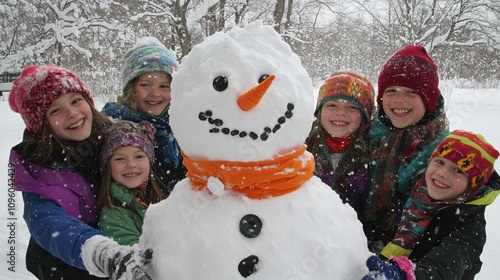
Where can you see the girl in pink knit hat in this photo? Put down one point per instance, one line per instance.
(55, 168)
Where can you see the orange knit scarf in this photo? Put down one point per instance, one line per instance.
(257, 180)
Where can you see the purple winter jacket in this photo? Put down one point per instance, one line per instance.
(59, 207)
(64, 186)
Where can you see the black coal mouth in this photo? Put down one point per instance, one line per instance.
(218, 125)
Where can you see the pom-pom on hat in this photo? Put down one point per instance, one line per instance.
(125, 134)
(413, 68)
(351, 86)
(471, 153)
(37, 87)
(146, 56)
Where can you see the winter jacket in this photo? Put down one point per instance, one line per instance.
(381, 215)
(59, 207)
(452, 244)
(357, 182)
(168, 158)
(123, 222)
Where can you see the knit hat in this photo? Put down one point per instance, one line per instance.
(146, 56)
(351, 86)
(126, 134)
(37, 87)
(411, 67)
(471, 153)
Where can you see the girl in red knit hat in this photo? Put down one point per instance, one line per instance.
(409, 123)
(442, 229)
(55, 168)
(339, 135)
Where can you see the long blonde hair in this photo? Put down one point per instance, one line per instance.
(128, 99)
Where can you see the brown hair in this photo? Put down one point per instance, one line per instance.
(40, 148)
(153, 192)
(358, 150)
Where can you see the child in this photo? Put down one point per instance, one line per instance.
(410, 122)
(54, 167)
(442, 228)
(339, 136)
(146, 76)
(128, 182)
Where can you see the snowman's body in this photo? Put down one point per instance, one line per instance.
(306, 234)
(218, 231)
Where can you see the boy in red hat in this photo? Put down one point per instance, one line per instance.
(442, 229)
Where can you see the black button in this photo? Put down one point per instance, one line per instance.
(247, 266)
(250, 226)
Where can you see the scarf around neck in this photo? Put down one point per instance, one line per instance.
(256, 180)
(166, 147)
(389, 186)
(337, 144)
(418, 213)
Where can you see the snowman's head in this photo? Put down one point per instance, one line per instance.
(241, 96)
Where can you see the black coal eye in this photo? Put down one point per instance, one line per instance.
(220, 83)
(263, 78)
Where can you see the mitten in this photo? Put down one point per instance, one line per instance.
(399, 268)
(103, 257)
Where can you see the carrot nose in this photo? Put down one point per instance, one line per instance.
(249, 99)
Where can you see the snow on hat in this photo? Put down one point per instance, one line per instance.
(146, 56)
(471, 153)
(126, 134)
(351, 86)
(37, 87)
(413, 68)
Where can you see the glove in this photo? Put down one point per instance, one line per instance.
(103, 257)
(399, 268)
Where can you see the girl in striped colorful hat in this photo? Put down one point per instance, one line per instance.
(442, 229)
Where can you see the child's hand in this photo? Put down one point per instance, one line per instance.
(380, 269)
(102, 256)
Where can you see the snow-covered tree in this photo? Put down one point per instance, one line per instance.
(91, 36)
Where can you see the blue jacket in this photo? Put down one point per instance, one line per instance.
(168, 158)
(59, 208)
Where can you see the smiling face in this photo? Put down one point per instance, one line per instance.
(340, 118)
(152, 92)
(130, 166)
(403, 106)
(445, 180)
(70, 117)
(210, 117)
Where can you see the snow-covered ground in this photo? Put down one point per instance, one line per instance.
(477, 110)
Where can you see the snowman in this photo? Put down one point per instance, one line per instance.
(250, 207)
